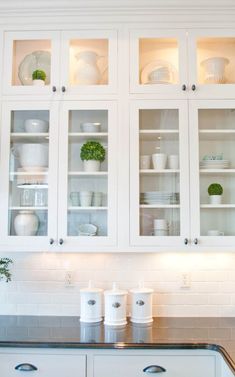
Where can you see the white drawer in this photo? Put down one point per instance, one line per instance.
(133, 366)
(48, 365)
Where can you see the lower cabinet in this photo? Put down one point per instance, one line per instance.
(72, 362)
(167, 366)
(42, 364)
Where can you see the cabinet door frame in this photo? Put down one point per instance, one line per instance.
(206, 90)
(194, 106)
(111, 36)
(9, 38)
(171, 241)
(88, 243)
(29, 243)
(159, 89)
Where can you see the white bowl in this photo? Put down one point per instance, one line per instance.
(215, 70)
(87, 230)
(36, 125)
(33, 155)
(90, 127)
(159, 74)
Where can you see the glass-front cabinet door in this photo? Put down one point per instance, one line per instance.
(87, 174)
(29, 152)
(158, 61)
(212, 63)
(31, 62)
(89, 61)
(159, 175)
(212, 124)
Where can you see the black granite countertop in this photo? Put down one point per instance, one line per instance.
(164, 333)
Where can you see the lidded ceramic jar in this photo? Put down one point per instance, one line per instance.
(141, 304)
(115, 307)
(91, 304)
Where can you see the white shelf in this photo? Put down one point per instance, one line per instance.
(84, 136)
(25, 137)
(93, 208)
(29, 173)
(152, 132)
(159, 206)
(28, 208)
(162, 171)
(84, 173)
(221, 171)
(152, 135)
(217, 205)
(217, 135)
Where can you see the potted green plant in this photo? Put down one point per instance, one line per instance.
(4, 269)
(39, 77)
(215, 191)
(92, 154)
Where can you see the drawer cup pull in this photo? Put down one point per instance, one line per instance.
(154, 369)
(26, 367)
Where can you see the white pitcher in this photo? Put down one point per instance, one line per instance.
(88, 72)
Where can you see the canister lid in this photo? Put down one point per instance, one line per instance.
(115, 291)
(91, 289)
(141, 288)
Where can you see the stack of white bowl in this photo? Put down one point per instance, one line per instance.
(161, 227)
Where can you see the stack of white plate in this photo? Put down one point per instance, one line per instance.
(214, 164)
(159, 197)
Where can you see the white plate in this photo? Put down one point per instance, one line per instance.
(150, 67)
(36, 60)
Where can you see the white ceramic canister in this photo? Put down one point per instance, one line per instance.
(91, 304)
(141, 305)
(115, 307)
(26, 223)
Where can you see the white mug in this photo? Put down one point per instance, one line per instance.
(145, 161)
(160, 224)
(85, 198)
(215, 233)
(159, 161)
(173, 161)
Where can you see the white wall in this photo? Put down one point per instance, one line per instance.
(37, 287)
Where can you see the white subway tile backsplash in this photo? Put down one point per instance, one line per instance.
(38, 286)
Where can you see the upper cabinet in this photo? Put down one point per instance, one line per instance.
(186, 64)
(71, 62)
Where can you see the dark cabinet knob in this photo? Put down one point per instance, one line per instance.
(51, 241)
(195, 241)
(63, 89)
(154, 369)
(194, 87)
(54, 89)
(61, 241)
(186, 241)
(26, 367)
(184, 87)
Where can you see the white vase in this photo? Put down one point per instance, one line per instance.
(26, 223)
(215, 199)
(87, 72)
(38, 82)
(91, 165)
(33, 155)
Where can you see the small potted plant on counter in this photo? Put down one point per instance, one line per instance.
(215, 191)
(4, 269)
(92, 154)
(39, 77)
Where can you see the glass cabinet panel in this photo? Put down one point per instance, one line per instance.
(27, 166)
(157, 182)
(90, 174)
(217, 171)
(157, 61)
(31, 62)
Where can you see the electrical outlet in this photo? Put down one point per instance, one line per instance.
(69, 278)
(185, 280)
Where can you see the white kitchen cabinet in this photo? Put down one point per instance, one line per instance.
(43, 364)
(159, 192)
(99, 362)
(63, 173)
(186, 63)
(57, 53)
